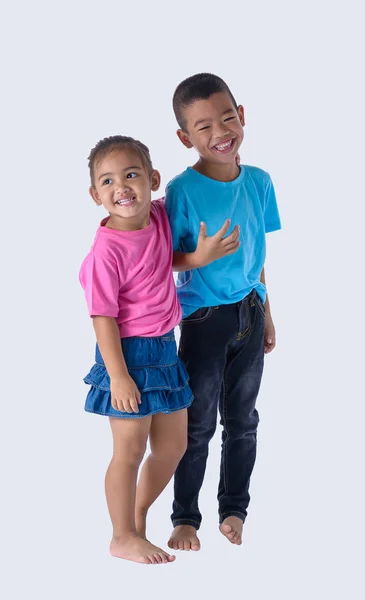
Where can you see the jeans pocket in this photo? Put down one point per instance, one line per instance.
(200, 315)
(260, 305)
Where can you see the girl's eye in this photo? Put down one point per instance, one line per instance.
(131, 175)
(107, 181)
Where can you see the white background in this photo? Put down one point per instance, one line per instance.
(74, 72)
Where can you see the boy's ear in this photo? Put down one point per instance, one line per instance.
(184, 138)
(95, 196)
(156, 180)
(241, 114)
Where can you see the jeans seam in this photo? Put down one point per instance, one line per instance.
(224, 457)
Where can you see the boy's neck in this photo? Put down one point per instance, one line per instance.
(227, 172)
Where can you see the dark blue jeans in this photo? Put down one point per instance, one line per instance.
(223, 350)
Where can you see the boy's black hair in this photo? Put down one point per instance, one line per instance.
(197, 87)
(114, 142)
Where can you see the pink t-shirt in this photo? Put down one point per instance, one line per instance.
(128, 275)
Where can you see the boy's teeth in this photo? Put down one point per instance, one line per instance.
(224, 146)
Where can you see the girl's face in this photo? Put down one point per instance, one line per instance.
(123, 186)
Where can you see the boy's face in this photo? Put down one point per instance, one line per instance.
(123, 186)
(214, 127)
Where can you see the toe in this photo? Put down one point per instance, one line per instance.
(170, 544)
(187, 545)
(171, 558)
(180, 545)
(195, 546)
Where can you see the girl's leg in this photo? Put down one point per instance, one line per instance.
(129, 441)
(168, 440)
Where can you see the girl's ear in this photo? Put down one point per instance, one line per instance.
(95, 196)
(184, 138)
(155, 180)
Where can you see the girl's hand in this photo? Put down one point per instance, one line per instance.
(125, 395)
(210, 248)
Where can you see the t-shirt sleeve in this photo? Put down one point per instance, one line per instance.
(271, 211)
(175, 205)
(100, 279)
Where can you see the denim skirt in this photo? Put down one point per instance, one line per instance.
(157, 371)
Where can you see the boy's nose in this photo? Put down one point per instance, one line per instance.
(220, 130)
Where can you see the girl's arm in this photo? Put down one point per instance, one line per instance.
(125, 395)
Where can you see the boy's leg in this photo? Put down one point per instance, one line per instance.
(203, 347)
(129, 444)
(168, 441)
(239, 417)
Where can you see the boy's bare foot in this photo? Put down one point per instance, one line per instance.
(133, 547)
(232, 529)
(140, 518)
(184, 537)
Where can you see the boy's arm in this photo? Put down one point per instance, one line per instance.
(208, 249)
(125, 395)
(270, 334)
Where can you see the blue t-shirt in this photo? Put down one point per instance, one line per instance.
(248, 201)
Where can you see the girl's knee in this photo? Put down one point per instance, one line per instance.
(131, 454)
(173, 451)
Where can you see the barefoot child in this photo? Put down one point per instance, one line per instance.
(137, 379)
(227, 325)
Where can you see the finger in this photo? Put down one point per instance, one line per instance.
(203, 230)
(126, 406)
(269, 347)
(232, 236)
(134, 404)
(223, 230)
(139, 397)
(231, 248)
(114, 404)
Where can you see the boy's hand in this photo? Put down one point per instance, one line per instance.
(270, 335)
(125, 395)
(216, 246)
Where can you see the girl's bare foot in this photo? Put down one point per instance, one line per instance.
(184, 537)
(133, 547)
(232, 529)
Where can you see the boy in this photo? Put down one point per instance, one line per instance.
(227, 325)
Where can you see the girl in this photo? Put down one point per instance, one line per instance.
(137, 379)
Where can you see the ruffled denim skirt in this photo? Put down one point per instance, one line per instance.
(157, 371)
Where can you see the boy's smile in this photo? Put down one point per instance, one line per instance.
(214, 127)
(123, 186)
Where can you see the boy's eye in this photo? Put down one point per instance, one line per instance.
(107, 181)
(229, 119)
(131, 175)
(202, 128)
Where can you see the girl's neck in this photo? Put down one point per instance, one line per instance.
(223, 172)
(115, 222)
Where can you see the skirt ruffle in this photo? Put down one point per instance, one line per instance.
(164, 387)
